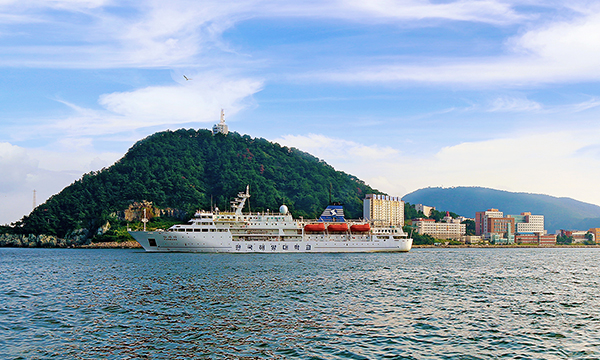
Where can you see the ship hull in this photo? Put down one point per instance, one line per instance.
(168, 241)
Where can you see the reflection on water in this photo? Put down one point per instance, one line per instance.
(428, 303)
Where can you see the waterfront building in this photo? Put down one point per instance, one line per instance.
(383, 210)
(500, 225)
(473, 239)
(481, 220)
(535, 239)
(579, 236)
(547, 239)
(448, 228)
(525, 228)
(527, 223)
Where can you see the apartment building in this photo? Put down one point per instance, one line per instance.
(383, 210)
(448, 228)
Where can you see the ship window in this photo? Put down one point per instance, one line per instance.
(212, 230)
(196, 230)
(152, 242)
(204, 230)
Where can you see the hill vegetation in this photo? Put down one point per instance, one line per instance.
(189, 170)
(559, 213)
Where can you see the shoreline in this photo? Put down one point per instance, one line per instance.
(503, 246)
(132, 244)
(136, 245)
(112, 245)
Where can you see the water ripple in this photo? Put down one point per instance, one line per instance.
(426, 304)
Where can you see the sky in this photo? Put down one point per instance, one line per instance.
(403, 94)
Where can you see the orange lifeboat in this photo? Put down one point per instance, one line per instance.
(337, 227)
(315, 227)
(360, 227)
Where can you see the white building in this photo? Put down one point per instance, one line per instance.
(221, 127)
(383, 210)
(449, 228)
(426, 210)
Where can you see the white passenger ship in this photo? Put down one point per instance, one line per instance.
(236, 232)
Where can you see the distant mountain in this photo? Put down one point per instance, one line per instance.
(559, 213)
(189, 170)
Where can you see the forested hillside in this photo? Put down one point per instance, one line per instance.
(186, 170)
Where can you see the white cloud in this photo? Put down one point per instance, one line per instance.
(333, 148)
(560, 164)
(195, 101)
(46, 171)
(15, 166)
(105, 34)
(488, 11)
(513, 104)
(562, 51)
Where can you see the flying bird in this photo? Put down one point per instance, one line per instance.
(186, 78)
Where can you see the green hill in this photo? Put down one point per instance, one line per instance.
(190, 170)
(559, 213)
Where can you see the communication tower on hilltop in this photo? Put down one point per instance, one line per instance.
(221, 127)
(34, 204)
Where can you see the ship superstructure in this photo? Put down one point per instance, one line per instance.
(238, 232)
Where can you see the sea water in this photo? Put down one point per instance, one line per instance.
(425, 304)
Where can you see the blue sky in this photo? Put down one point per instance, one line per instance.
(403, 94)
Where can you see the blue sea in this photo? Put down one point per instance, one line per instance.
(425, 304)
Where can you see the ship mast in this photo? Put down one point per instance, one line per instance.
(238, 203)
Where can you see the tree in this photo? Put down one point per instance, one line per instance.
(470, 227)
(564, 240)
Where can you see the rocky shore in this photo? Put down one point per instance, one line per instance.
(49, 241)
(113, 245)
